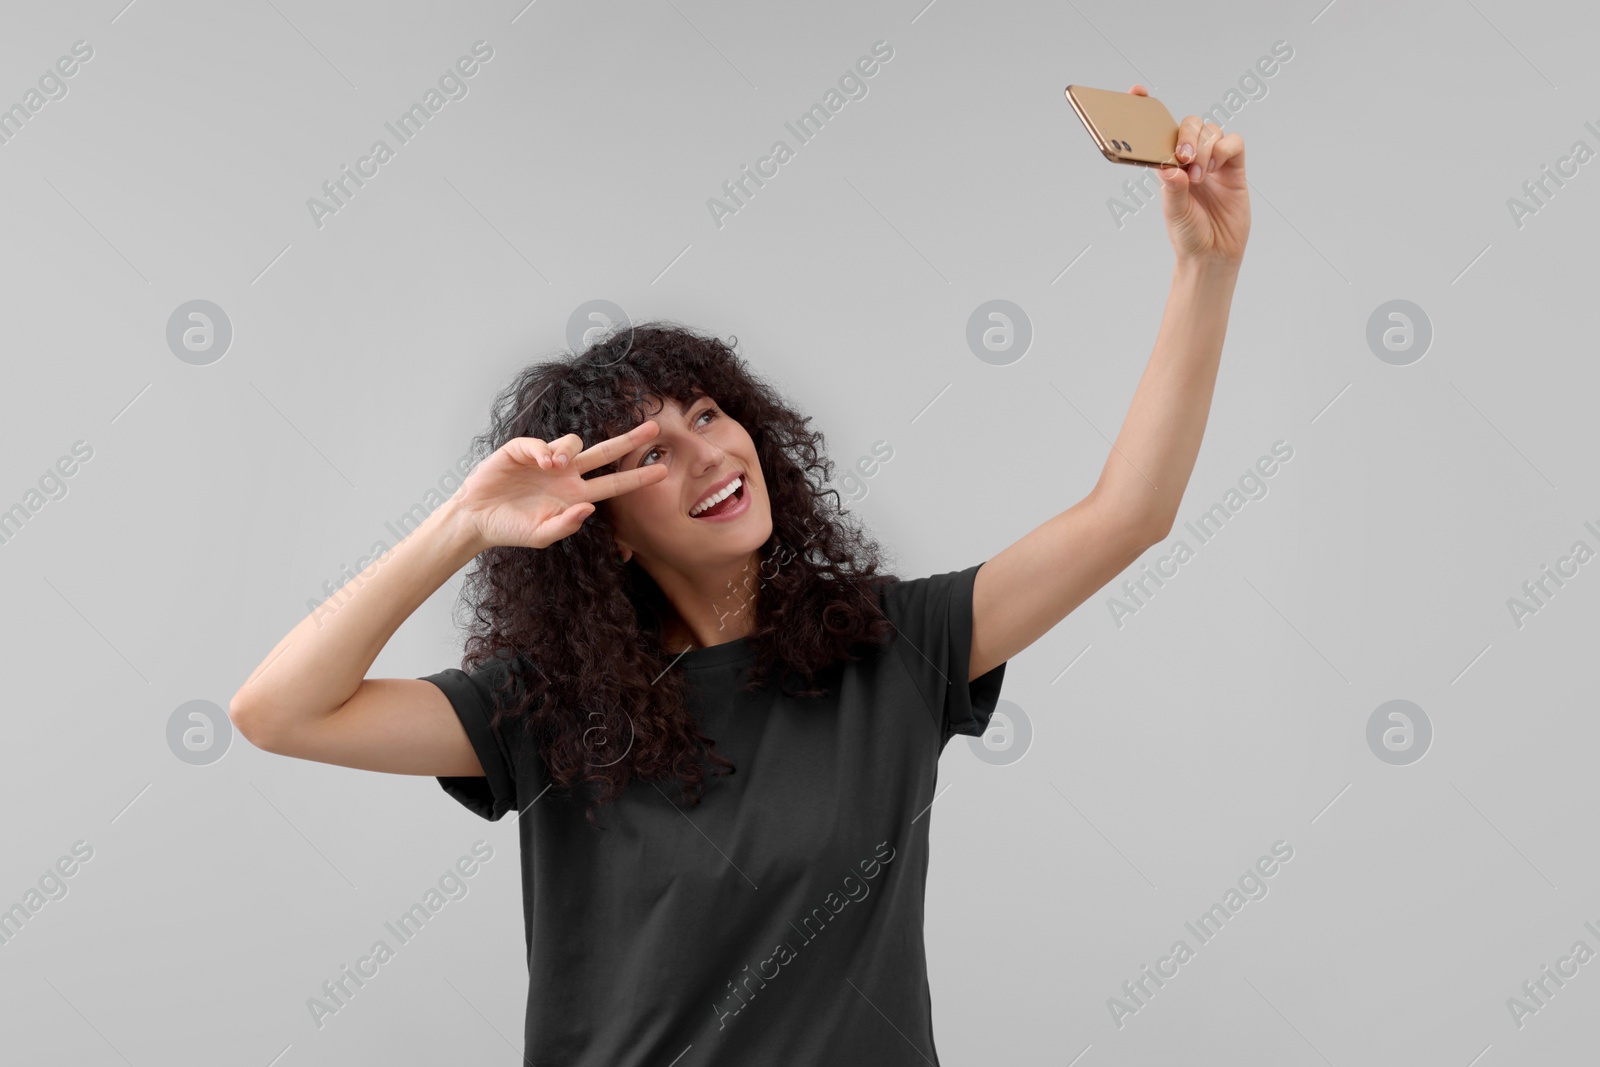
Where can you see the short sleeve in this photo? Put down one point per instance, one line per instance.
(934, 618)
(474, 697)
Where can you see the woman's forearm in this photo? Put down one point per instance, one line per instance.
(322, 661)
(1149, 466)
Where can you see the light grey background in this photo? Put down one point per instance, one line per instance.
(1167, 753)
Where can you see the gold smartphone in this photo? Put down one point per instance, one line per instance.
(1127, 128)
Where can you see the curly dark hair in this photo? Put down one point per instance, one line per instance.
(582, 633)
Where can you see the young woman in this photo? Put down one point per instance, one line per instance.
(718, 723)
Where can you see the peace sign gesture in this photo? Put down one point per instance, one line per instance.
(530, 493)
(1206, 202)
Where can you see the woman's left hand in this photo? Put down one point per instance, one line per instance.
(1206, 202)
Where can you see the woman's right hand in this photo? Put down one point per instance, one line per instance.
(531, 493)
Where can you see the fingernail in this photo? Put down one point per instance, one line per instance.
(1212, 165)
(1186, 151)
(561, 460)
(1194, 172)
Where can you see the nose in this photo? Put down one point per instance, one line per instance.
(707, 453)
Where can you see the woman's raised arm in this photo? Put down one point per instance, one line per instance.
(310, 697)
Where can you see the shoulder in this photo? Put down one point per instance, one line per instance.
(921, 599)
(500, 679)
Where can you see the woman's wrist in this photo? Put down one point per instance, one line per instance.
(459, 529)
(1217, 268)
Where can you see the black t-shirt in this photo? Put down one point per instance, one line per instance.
(779, 921)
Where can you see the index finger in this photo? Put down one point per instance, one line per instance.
(614, 448)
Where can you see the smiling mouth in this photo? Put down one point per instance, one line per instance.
(725, 504)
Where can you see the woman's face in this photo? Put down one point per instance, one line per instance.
(701, 447)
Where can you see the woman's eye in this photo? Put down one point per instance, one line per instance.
(708, 411)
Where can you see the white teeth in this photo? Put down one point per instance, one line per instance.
(714, 498)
